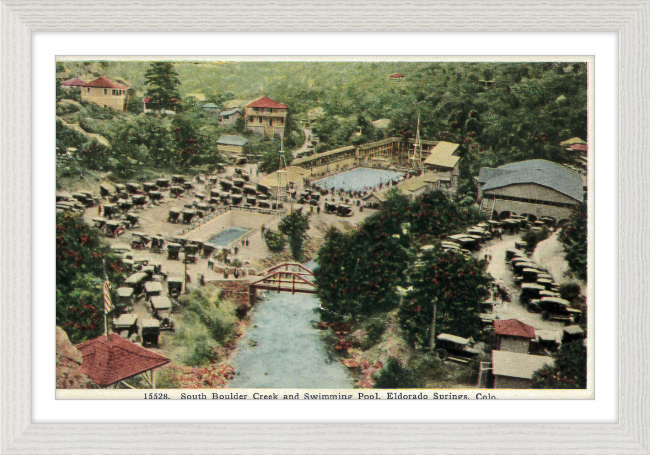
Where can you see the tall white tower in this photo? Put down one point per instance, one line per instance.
(283, 179)
(415, 160)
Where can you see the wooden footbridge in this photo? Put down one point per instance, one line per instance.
(287, 277)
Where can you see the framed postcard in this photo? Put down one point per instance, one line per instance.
(389, 246)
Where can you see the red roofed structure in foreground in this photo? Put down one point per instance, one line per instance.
(266, 116)
(104, 92)
(513, 335)
(108, 363)
(73, 83)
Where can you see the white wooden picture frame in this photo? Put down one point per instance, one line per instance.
(631, 19)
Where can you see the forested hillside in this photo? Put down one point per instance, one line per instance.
(500, 112)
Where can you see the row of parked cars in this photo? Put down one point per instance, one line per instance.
(157, 290)
(539, 292)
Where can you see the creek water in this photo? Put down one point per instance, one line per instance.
(282, 349)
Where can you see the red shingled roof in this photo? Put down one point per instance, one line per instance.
(513, 328)
(103, 82)
(146, 99)
(267, 102)
(396, 75)
(74, 82)
(119, 359)
(579, 147)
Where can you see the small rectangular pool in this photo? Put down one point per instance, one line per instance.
(227, 236)
(359, 179)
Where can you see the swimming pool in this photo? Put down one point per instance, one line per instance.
(358, 179)
(227, 236)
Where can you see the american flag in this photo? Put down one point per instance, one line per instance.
(108, 305)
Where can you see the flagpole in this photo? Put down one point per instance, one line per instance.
(105, 312)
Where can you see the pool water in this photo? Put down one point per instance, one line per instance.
(359, 179)
(227, 236)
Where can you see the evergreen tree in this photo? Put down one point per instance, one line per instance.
(162, 85)
(574, 239)
(295, 226)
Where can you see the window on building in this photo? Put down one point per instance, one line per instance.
(105, 91)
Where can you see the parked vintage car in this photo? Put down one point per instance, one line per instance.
(173, 249)
(555, 308)
(139, 240)
(174, 286)
(152, 289)
(126, 325)
(455, 348)
(161, 308)
(124, 299)
(150, 332)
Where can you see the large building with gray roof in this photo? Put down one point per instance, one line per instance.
(533, 188)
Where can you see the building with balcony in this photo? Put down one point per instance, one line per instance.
(105, 93)
(266, 116)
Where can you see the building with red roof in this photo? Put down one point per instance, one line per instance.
(266, 116)
(108, 363)
(74, 83)
(396, 77)
(513, 335)
(104, 92)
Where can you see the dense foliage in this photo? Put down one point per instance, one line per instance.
(80, 258)
(295, 227)
(359, 272)
(569, 370)
(275, 241)
(574, 239)
(455, 285)
(395, 376)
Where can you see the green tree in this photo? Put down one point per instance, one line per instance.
(449, 285)
(274, 240)
(574, 239)
(80, 256)
(569, 370)
(295, 226)
(270, 151)
(162, 84)
(358, 272)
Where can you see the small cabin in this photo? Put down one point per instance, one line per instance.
(513, 335)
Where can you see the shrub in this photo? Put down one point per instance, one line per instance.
(274, 241)
(375, 328)
(533, 238)
(395, 376)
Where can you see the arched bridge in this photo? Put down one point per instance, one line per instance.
(287, 277)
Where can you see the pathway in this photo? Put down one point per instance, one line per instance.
(499, 269)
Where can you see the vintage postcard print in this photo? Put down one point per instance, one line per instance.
(302, 228)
